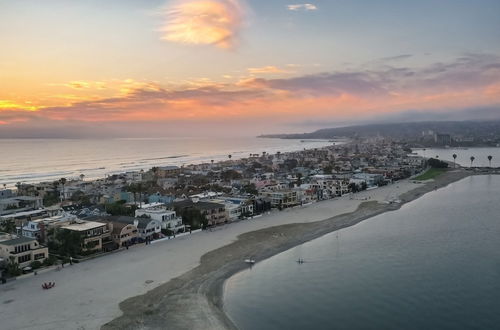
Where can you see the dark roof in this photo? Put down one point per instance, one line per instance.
(16, 241)
(198, 205)
(142, 222)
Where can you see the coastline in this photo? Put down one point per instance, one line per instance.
(194, 300)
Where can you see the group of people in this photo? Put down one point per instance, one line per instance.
(49, 285)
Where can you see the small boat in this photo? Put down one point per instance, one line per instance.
(250, 261)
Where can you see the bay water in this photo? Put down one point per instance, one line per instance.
(433, 264)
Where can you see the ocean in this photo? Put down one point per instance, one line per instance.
(433, 264)
(35, 160)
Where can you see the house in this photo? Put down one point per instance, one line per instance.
(282, 199)
(94, 235)
(39, 228)
(20, 204)
(214, 213)
(370, 179)
(237, 207)
(122, 233)
(166, 171)
(147, 229)
(159, 198)
(23, 250)
(169, 219)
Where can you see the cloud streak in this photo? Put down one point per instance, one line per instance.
(303, 7)
(204, 22)
(270, 69)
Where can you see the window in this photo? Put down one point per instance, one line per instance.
(25, 258)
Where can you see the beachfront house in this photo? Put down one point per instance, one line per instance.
(93, 235)
(214, 213)
(122, 233)
(282, 199)
(147, 228)
(22, 250)
(168, 218)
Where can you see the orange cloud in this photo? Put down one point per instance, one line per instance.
(204, 22)
(266, 70)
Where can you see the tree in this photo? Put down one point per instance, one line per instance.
(13, 267)
(68, 243)
(436, 163)
(62, 181)
(119, 208)
(80, 198)
(454, 159)
(192, 217)
(229, 156)
(82, 176)
(490, 157)
(8, 226)
(472, 160)
(250, 189)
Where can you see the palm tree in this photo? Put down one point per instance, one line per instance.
(424, 152)
(454, 159)
(82, 176)
(472, 160)
(62, 181)
(490, 157)
(229, 156)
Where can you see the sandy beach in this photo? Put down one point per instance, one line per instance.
(177, 284)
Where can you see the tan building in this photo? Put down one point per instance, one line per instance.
(282, 199)
(24, 250)
(121, 233)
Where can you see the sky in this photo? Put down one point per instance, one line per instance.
(93, 68)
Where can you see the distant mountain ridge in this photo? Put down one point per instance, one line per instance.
(411, 130)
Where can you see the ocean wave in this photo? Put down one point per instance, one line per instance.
(168, 157)
(90, 169)
(31, 176)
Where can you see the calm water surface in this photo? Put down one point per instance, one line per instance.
(464, 155)
(433, 264)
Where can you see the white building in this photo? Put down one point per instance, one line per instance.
(157, 211)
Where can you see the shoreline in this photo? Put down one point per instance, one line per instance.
(194, 300)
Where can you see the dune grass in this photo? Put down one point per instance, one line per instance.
(430, 174)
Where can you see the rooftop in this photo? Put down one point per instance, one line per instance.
(87, 225)
(17, 241)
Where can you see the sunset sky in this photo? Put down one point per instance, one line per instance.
(88, 68)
